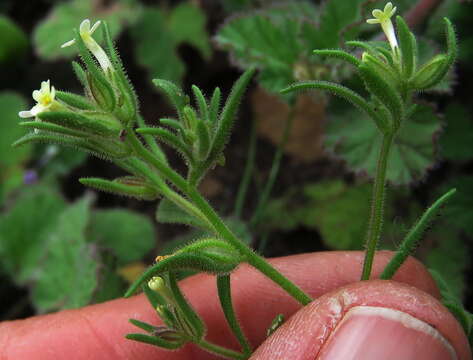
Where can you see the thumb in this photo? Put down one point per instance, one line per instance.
(369, 320)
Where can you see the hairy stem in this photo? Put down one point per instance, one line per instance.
(225, 296)
(377, 206)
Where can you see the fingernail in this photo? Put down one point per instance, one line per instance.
(374, 333)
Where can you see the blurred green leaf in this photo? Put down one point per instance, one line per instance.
(339, 212)
(67, 277)
(267, 40)
(11, 104)
(11, 158)
(336, 15)
(150, 34)
(13, 41)
(158, 34)
(453, 266)
(110, 285)
(187, 25)
(354, 138)
(61, 160)
(127, 234)
(459, 212)
(65, 17)
(25, 230)
(457, 139)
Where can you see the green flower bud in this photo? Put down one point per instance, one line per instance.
(431, 73)
(102, 92)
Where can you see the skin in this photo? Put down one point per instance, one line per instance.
(98, 331)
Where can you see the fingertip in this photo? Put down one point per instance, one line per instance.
(425, 328)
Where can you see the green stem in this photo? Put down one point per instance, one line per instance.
(245, 181)
(263, 200)
(252, 258)
(216, 349)
(377, 206)
(225, 296)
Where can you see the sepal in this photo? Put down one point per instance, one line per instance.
(127, 186)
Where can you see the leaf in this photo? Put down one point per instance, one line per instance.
(339, 212)
(335, 16)
(25, 229)
(451, 266)
(187, 25)
(158, 29)
(149, 34)
(11, 104)
(458, 212)
(11, 158)
(13, 41)
(354, 138)
(455, 142)
(67, 278)
(64, 17)
(267, 40)
(129, 235)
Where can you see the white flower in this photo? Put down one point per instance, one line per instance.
(85, 32)
(44, 98)
(384, 19)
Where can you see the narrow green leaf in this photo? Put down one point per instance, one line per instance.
(203, 140)
(228, 114)
(80, 74)
(214, 107)
(142, 325)
(153, 340)
(98, 123)
(338, 54)
(344, 93)
(225, 297)
(52, 128)
(131, 101)
(77, 101)
(201, 102)
(139, 191)
(172, 123)
(412, 239)
(168, 138)
(175, 94)
(408, 46)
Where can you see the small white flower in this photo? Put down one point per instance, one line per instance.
(85, 32)
(44, 98)
(384, 19)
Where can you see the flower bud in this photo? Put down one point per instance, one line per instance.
(431, 73)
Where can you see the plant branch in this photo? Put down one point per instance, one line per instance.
(377, 206)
